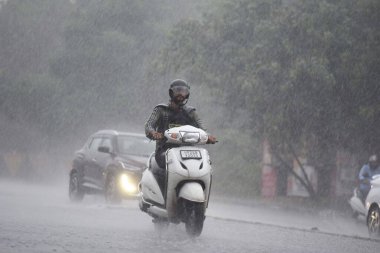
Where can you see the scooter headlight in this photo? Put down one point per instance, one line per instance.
(190, 137)
(127, 184)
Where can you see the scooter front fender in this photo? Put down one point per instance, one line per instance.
(357, 205)
(192, 191)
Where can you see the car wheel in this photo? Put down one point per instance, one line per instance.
(373, 221)
(112, 193)
(76, 192)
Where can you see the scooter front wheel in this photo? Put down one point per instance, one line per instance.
(373, 221)
(160, 225)
(195, 218)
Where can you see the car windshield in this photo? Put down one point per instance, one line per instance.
(135, 145)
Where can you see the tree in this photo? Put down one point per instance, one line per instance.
(299, 69)
(30, 31)
(106, 50)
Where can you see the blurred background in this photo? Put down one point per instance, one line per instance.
(290, 88)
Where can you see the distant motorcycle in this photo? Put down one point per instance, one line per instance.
(188, 180)
(357, 201)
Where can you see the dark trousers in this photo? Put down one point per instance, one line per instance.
(160, 159)
(160, 173)
(364, 190)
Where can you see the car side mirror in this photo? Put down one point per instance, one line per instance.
(104, 149)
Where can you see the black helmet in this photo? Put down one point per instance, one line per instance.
(373, 158)
(181, 87)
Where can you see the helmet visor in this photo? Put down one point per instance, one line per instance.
(180, 90)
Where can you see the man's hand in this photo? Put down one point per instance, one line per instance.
(365, 181)
(211, 139)
(156, 135)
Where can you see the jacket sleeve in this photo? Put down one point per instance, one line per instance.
(196, 119)
(152, 122)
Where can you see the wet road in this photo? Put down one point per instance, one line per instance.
(41, 219)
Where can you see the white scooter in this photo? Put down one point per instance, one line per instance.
(185, 196)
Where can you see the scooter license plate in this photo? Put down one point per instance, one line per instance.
(191, 154)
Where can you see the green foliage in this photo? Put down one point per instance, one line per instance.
(72, 67)
(305, 72)
(103, 42)
(295, 67)
(26, 39)
(236, 166)
(27, 91)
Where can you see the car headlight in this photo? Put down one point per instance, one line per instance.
(127, 184)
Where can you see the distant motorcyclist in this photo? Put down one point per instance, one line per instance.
(173, 114)
(365, 175)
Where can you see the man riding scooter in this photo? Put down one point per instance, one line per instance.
(173, 114)
(365, 175)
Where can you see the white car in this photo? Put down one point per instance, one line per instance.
(373, 207)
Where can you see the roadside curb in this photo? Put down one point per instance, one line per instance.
(311, 230)
(285, 204)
